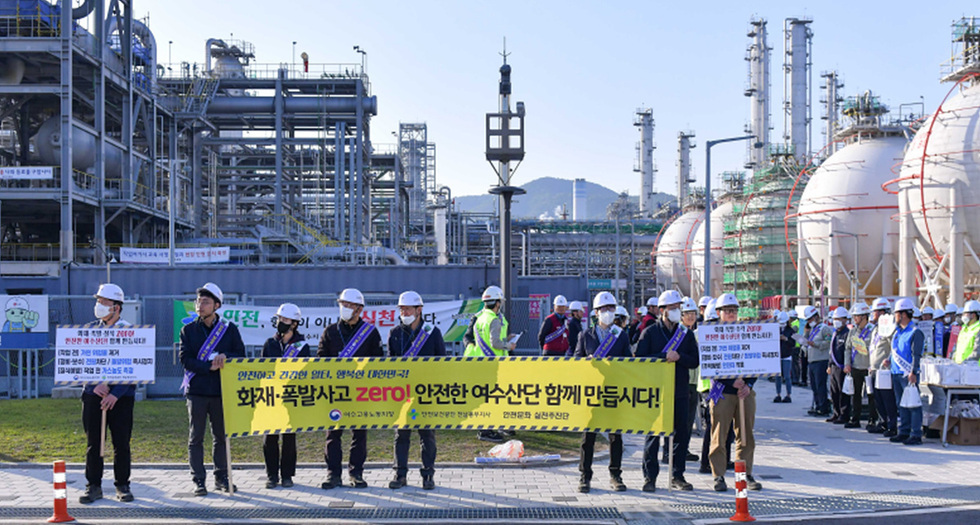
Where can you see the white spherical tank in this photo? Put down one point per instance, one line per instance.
(718, 217)
(845, 197)
(673, 252)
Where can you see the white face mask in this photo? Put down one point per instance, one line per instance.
(813, 323)
(346, 313)
(674, 316)
(607, 318)
(407, 320)
(965, 319)
(838, 324)
(102, 311)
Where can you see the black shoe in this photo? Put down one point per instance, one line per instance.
(694, 458)
(852, 424)
(650, 485)
(270, 483)
(92, 493)
(491, 435)
(720, 485)
(331, 483)
(913, 441)
(841, 421)
(787, 399)
(751, 483)
(704, 470)
(889, 433)
(811, 412)
(665, 460)
(123, 494)
(428, 483)
(584, 485)
(876, 429)
(679, 483)
(199, 488)
(221, 485)
(830, 420)
(357, 482)
(777, 399)
(616, 482)
(398, 482)
(901, 438)
(287, 482)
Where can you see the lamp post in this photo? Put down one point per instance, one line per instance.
(293, 65)
(363, 58)
(707, 205)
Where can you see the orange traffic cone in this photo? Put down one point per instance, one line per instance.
(741, 494)
(60, 495)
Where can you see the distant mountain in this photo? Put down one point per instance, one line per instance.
(547, 197)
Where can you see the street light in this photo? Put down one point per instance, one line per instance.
(363, 58)
(109, 259)
(294, 55)
(707, 206)
(170, 56)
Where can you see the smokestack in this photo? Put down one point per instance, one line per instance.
(644, 152)
(759, 93)
(798, 40)
(684, 179)
(580, 210)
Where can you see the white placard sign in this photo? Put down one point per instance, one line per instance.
(214, 254)
(26, 173)
(89, 354)
(731, 350)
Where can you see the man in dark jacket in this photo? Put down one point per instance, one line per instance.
(671, 341)
(838, 344)
(653, 311)
(288, 343)
(574, 326)
(414, 338)
(205, 344)
(351, 336)
(604, 340)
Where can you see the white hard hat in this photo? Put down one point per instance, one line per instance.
(972, 307)
(409, 298)
(213, 290)
(352, 295)
(289, 311)
(881, 304)
(710, 312)
(726, 299)
(652, 301)
(861, 308)
(111, 292)
(603, 299)
(560, 300)
(17, 302)
(688, 305)
(782, 318)
(575, 306)
(704, 300)
(809, 312)
(916, 313)
(950, 309)
(905, 304)
(492, 293)
(641, 311)
(621, 311)
(927, 310)
(669, 297)
(840, 313)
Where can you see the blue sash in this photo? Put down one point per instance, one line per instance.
(555, 335)
(220, 327)
(814, 332)
(675, 340)
(355, 343)
(419, 341)
(717, 391)
(832, 356)
(484, 347)
(606, 345)
(291, 351)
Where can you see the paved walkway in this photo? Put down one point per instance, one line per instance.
(806, 466)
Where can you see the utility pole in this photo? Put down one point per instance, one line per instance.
(707, 205)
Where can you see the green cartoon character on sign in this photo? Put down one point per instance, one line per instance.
(20, 318)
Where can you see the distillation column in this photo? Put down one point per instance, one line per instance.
(798, 38)
(644, 120)
(684, 179)
(758, 92)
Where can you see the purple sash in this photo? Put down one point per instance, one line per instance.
(717, 391)
(419, 342)
(606, 345)
(675, 340)
(291, 351)
(555, 335)
(484, 347)
(355, 343)
(220, 327)
(832, 356)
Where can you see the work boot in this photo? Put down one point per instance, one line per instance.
(221, 485)
(751, 483)
(270, 483)
(777, 399)
(650, 485)
(704, 469)
(679, 483)
(616, 482)
(92, 493)
(901, 438)
(889, 433)
(398, 482)
(123, 494)
(331, 483)
(583, 485)
(720, 485)
(852, 424)
(428, 483)
(876, 429)
(693, 458)
(199, 488)
(357, 481)
(787, 399)
(913, 441)
(287, 482)
(830, 420)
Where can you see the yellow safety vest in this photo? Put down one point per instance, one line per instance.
(965, 341)
(482, 330)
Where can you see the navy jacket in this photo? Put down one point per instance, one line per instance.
(574, 328)
(786, 347)
(207, 382)
(838, 345)
(274, 346)
(336, 336)
(588, 343)
(652, 342)
(401, 337)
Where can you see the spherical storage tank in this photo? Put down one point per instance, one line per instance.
(673, 252)
(718, 217)
(845, 197)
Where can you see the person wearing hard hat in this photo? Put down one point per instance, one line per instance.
(622, 317)
(604, 340)
(881, 348)
(728, 398)
(573, 326)
(413, 337)
(205, 344)
(668, 339)
(907, 345)
(117, 401)
(929, 317)
(816, 342)
(349, 337)
(703, 303)
(553, 335)
(649, 318)
(949, 319)
(857, 360)
(786, 345)
(916, 314)
(689, 318)
(490, 340)
(634, 327)
(840, 402)
(711, 316)
(800, 363)
(287, 343)
(968, 342)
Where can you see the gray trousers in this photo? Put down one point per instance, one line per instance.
(199, 410)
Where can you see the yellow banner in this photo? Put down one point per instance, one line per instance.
(269, 396)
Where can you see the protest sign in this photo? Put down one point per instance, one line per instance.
(89, 354)
(746, 349)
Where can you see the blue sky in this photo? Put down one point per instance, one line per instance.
(581, 68)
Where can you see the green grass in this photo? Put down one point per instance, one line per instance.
(43, 430)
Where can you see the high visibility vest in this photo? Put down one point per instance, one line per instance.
(482, 330)
(965, 341)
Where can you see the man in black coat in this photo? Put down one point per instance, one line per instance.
(350, 336)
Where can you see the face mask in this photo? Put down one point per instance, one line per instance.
(607, 318)
(346, 313)
(674, 316)
(102, 311)
(838, 324)
(965, 319)
(283, 327)
(949, 319)
(812, 324)
(407, 320)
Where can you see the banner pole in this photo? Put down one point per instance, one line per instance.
(102, 441)
(231, 482)
(670, 460)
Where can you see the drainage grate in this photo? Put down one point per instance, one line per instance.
(281, 514)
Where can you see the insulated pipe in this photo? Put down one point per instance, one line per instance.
(83, 10)
(207, 51)
(233, 105)
(11, 71)
(149, 41)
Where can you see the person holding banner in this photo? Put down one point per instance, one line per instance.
(414, 338)
(604, 340)
(907, 344)
(880, 368)
(349, 337)
(838, 342)
(673, 342)
(856, 362)
(573, 325)
(816, 342)
(288, 343)
(968, 341)
(205, 344)
(111, 406)
(553, 336)
(490, 340)
(704, 385)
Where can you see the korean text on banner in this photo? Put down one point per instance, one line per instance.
(88, 354)
(731, 350)
(290, 395)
